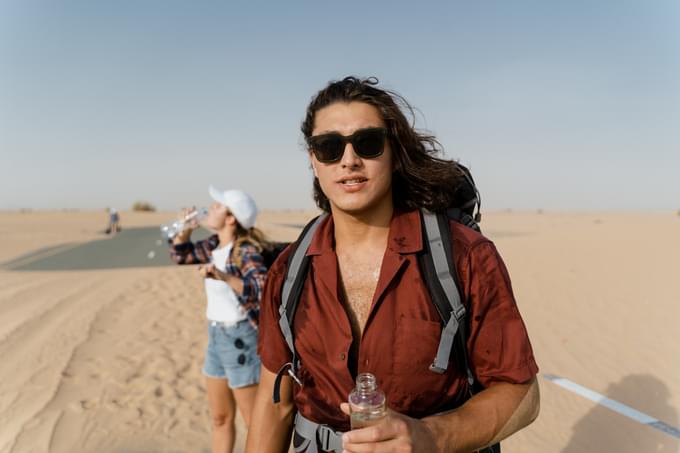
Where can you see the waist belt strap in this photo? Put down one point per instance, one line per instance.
(328, 439)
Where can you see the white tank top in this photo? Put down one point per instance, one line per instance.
(223, 304)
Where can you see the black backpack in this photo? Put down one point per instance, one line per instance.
(272, 251)
(437, 266)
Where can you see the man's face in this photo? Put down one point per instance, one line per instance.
(353, 184)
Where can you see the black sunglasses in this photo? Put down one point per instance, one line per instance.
(368, 143)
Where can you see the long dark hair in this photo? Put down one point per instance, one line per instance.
(421, 179)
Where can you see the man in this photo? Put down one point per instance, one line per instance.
(365, 307)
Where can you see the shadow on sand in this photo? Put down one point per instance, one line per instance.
(645, 393)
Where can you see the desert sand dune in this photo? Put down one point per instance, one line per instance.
(109, 360)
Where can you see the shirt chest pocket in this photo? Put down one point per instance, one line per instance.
(416, 390)
(416, 342)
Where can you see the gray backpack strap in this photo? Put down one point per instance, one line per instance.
(327, 439)
(296, 274)
(293, 274)
(456, 310)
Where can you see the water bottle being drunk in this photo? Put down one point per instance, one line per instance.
(366, 402)
(171, 229)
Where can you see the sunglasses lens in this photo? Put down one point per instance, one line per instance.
(328, 147)
(369, 143)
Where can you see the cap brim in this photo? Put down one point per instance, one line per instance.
(216, 195)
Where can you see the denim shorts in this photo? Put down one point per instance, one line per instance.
(232, 354)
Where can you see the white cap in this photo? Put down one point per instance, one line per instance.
(239, 203)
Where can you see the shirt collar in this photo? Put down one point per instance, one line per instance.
(405, 234)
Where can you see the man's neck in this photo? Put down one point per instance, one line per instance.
(371, 228)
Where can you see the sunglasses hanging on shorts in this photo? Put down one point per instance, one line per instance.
(368, 143)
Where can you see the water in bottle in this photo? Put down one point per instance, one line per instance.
(171, 229)
(366, 402)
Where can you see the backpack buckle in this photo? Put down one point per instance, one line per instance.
(329, 440)
(437, 369)
(292, 374)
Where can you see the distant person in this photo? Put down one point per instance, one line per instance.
(365, 306)
(234, 276)
(114, 222)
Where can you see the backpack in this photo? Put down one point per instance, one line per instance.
(437, 266)
(272, 251)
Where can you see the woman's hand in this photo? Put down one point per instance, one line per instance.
(210, 271)
(192, 224)
(185, 235)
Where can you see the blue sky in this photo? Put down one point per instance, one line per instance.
(569, 105)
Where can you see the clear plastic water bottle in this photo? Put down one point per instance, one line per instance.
(171, 229)
(366, 402)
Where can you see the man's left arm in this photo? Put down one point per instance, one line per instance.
(485, 419)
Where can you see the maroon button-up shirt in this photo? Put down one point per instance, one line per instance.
(401, 335)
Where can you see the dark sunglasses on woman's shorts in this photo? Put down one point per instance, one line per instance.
(368, 143)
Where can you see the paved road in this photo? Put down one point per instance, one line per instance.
(133, 247)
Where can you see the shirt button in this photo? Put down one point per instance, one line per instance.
(342, 356)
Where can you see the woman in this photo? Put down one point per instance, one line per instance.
(234, 276)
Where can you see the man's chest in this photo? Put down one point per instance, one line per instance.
(399, 339)
(359, 279)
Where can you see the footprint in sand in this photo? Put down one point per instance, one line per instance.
(133, 377)
(170, 427)
(114, 404)
(190, 393)
(76, 407)
(88, 404)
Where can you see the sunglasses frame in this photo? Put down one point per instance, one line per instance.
(348, 139)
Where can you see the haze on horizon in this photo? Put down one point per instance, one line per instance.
(570, 106)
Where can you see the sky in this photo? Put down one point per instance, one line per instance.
(553, 105)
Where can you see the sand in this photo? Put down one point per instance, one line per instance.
(109, 360)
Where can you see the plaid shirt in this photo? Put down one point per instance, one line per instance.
(252, 270)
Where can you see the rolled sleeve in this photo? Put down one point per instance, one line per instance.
(193, 253)
(498, 343)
